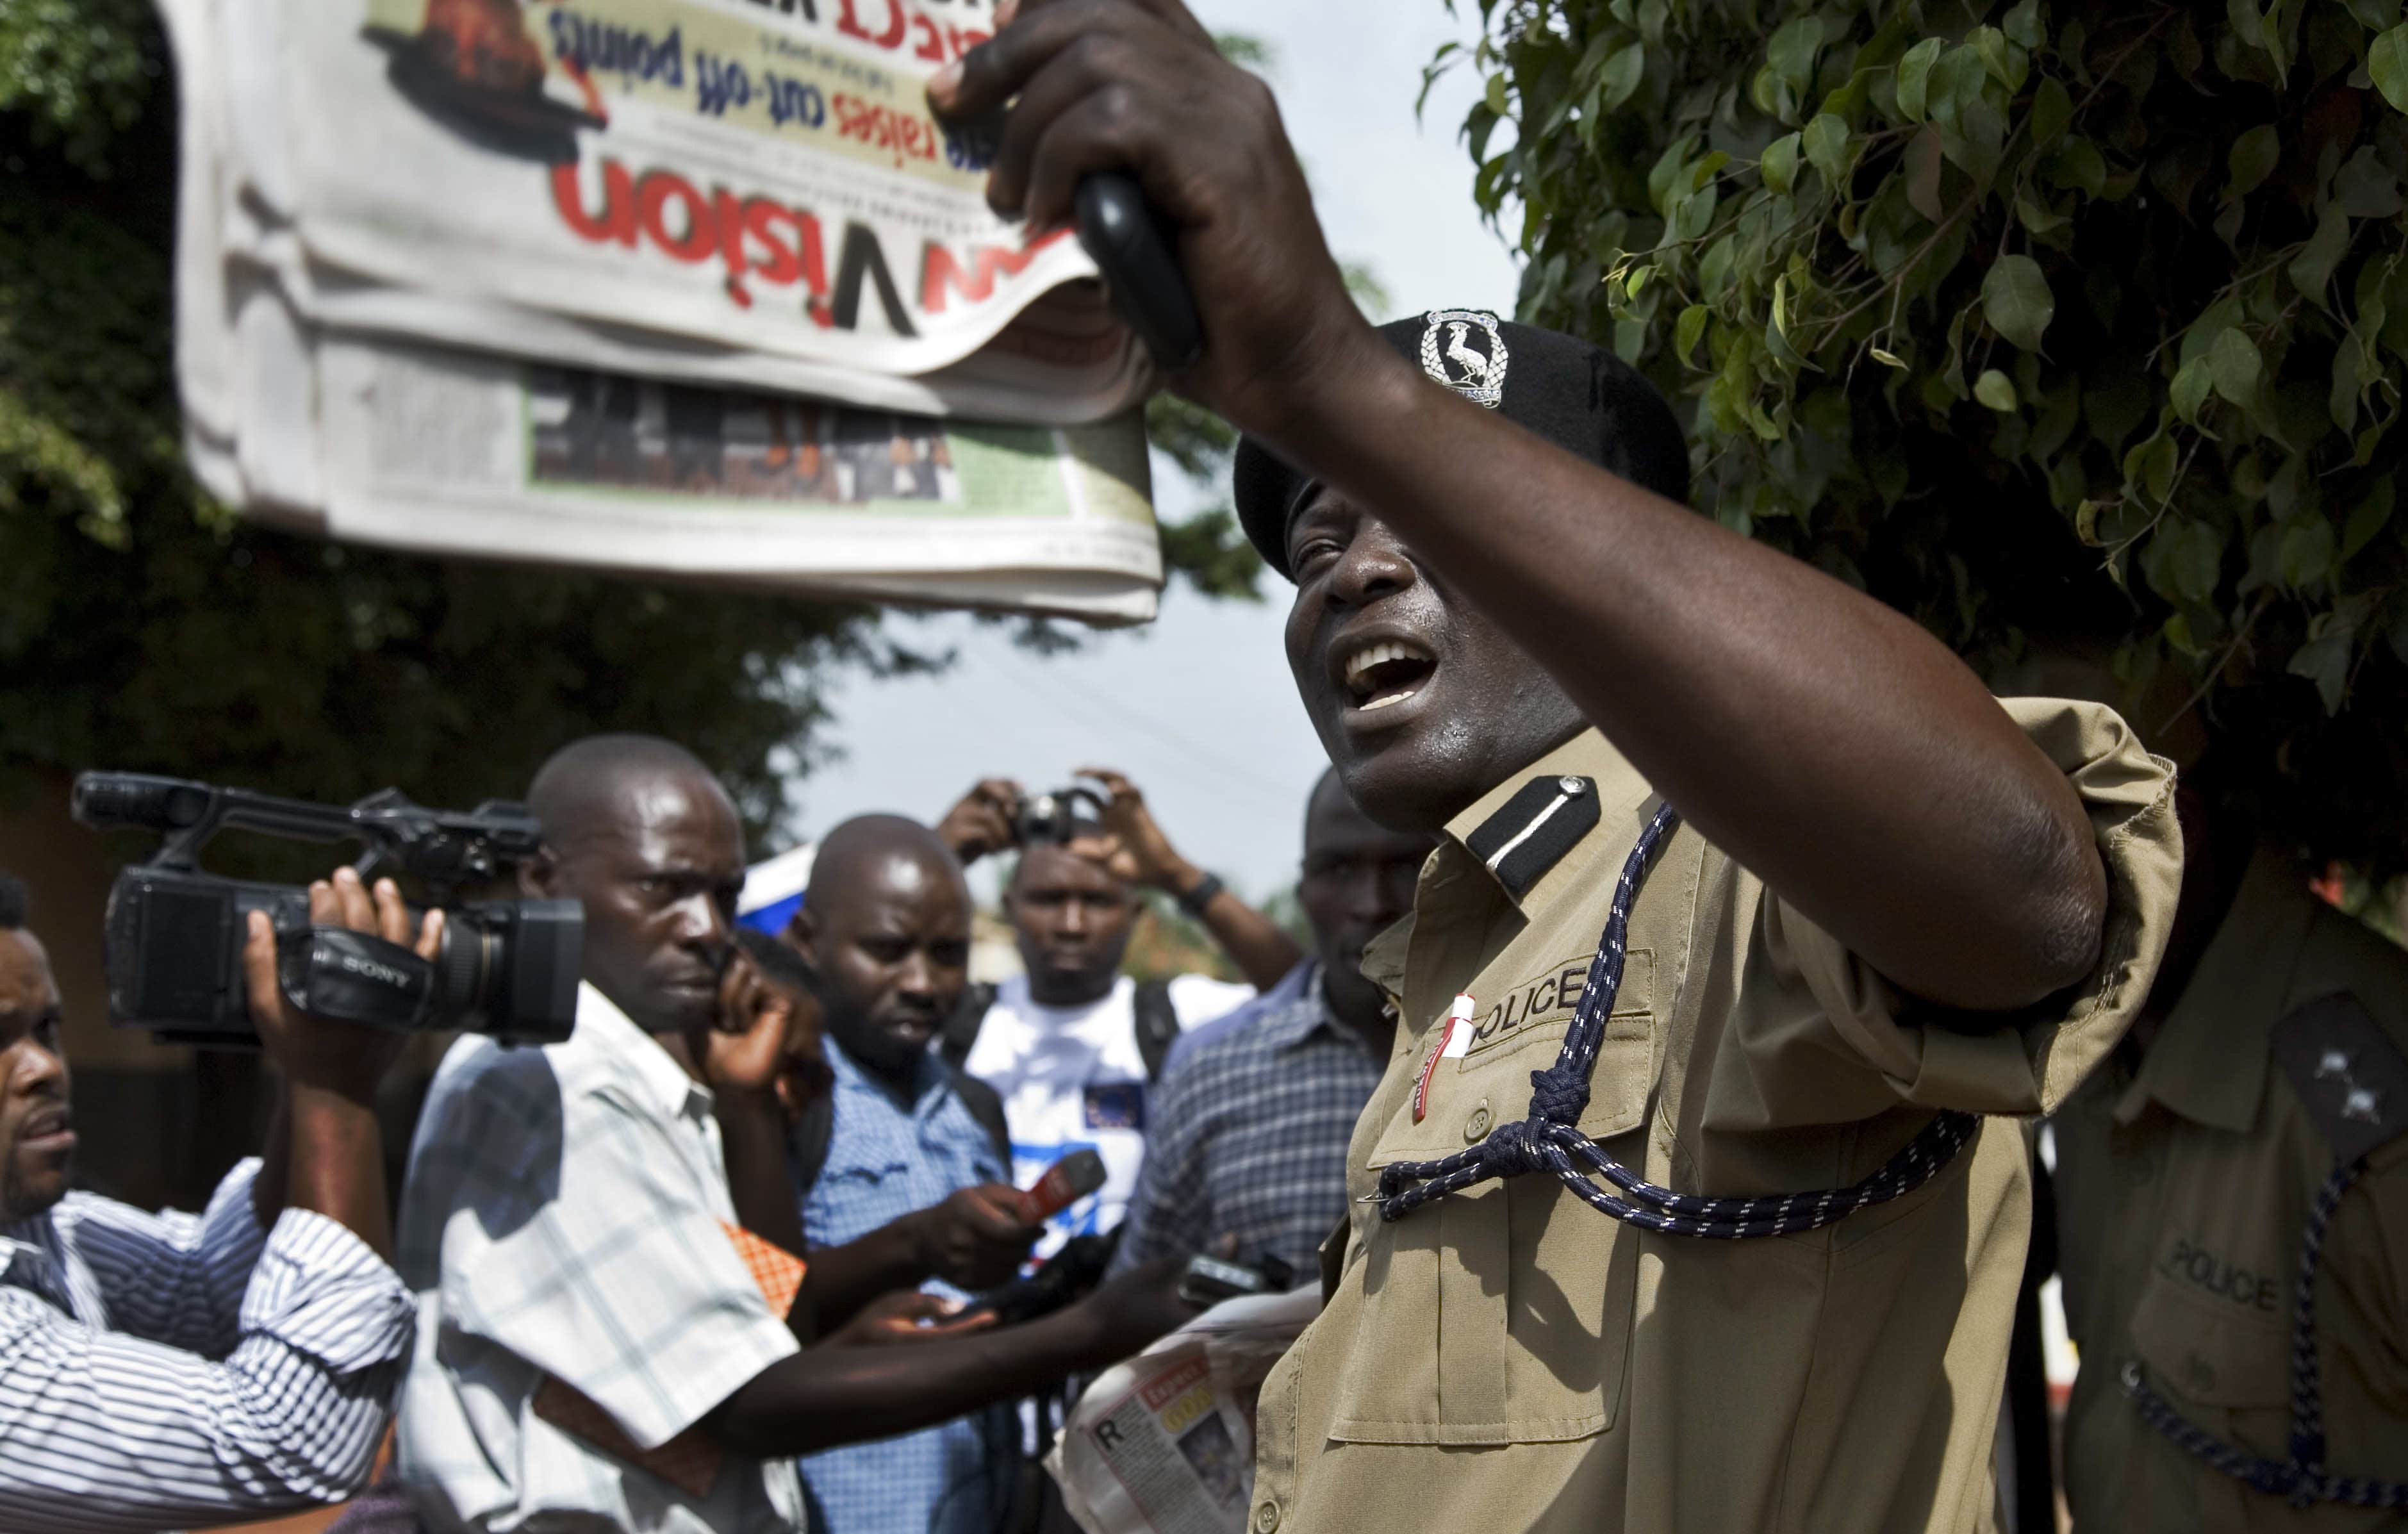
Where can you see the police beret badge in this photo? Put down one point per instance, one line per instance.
(1475, 372)
(1574, 393)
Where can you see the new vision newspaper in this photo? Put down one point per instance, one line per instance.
(693, 288)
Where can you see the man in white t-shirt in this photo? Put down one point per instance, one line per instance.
(1072, 1044)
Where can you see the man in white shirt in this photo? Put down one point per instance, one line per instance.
(1072, 1044)
(599, 1345)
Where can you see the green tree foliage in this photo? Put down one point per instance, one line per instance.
(141, 625)
(2088, 317)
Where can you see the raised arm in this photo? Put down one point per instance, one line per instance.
(1134, 847)
(1826, 742)
(324, 1152)
(741, 1057)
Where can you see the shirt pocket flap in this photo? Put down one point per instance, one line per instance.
(2210, 1349)
(1501, 1314)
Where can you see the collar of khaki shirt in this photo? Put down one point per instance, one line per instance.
(1455, 875)
(2208, 1061)
(613, 1034)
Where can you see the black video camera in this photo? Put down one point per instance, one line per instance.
(175, 934)
(1061, 815)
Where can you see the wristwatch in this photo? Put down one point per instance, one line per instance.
(1195, 900)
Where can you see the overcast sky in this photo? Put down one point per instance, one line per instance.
(1198, 709)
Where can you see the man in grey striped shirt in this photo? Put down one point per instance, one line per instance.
(164, 1369)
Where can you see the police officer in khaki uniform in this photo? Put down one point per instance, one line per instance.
(1673, 1212)
(2265, 1080)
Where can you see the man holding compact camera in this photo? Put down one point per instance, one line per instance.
(158, 1371)
(1071, 1044)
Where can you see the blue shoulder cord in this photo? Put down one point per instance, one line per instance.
(2301, 1479)
(1548, 1141)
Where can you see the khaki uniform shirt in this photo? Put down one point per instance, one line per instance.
(1509, 1358)
(2182, 1195)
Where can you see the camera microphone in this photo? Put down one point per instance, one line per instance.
(112, 801)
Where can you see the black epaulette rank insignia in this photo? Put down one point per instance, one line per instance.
(2352, 1079)
(1531, 832)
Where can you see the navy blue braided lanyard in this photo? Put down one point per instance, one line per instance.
(1548, 1141)
(2301, 1479)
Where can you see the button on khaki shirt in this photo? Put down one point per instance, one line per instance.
(1507, 1358)
(2183, 1193)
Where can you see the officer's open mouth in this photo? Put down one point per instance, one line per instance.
(1387, 672)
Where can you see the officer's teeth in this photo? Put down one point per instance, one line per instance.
(1392, 697)
(1371, 655)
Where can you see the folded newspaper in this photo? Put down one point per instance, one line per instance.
(689, 288)
(1165, 1442)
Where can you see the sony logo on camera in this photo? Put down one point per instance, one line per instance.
(383, 974)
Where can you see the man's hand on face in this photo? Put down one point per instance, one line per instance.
(744, 1052)
(1137, 85)
(982, 824)
(1132, 846)
(345, 1060)
(804, 1076)
(974, 1240)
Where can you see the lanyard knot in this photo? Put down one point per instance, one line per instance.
(1550, 1140)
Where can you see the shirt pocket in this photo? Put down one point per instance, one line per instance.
(2225, 1369)
(1502, 1313)
(2212, 1358)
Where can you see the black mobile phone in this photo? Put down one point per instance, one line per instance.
(1133, 245)
(1209, 1281)
(1127, 239)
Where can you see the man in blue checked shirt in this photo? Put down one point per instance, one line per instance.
(1249, 1137)
(915, 1163)
(158, 1371)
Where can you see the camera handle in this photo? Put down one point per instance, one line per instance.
(354, 977)
(444, 850)
(187, 814)
(1130, 242)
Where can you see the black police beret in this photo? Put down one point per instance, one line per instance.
(1579, 396)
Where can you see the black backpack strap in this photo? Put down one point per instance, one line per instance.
(807, 1142)
(1157, 1026)
(961, 1029)
(987, 1106)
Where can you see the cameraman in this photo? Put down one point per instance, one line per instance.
(164, 1369)
(1072, 1044)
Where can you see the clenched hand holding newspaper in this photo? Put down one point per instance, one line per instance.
(693, 288)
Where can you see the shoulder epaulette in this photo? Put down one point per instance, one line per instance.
(1530, 833)
(2348, 1074)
